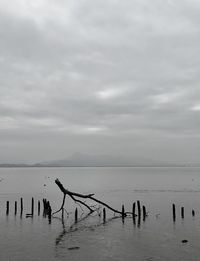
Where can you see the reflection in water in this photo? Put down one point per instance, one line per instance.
(62, 234)
(134, 222)
(139, 221)
(159, 238)
(76, 226)
(70, 229)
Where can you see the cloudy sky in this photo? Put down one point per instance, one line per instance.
(100, 77)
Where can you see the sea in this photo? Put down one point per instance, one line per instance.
(158, 236)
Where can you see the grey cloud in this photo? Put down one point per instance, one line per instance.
(95, 71)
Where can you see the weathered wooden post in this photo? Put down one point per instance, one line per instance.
(134, 221)
(133, 210)
(76, 215)
(49, 213)
(133, 213)
(104, 215)
(32, 206)
(21, 205)
(182, 212)
(193, 213)
(174, 212)
(7, 207)
(15, 208)
(144, 212)
(47, 206)
(44, 207)
(139, 221)
(139, 208)
(38, 207)
(123, 212)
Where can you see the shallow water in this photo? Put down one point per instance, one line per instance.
(156, 238)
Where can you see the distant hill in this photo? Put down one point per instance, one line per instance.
(80, 159)
(88, 160)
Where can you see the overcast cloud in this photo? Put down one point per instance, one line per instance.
(103, 77)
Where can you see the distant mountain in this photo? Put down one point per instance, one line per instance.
(88, 160)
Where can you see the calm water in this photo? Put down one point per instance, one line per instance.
(158, 238)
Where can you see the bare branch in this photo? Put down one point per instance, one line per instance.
(86, 196)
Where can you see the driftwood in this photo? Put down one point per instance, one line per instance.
(74, 196)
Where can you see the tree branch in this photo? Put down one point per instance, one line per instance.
(86, 196)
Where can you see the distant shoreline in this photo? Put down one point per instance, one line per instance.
(97, 166)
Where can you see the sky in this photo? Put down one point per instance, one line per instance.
(100, 77)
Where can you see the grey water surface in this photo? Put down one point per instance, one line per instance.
(156, 238)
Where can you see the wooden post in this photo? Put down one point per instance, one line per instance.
(123, 212)
(49, 214)
(43, 200)
(76, 215)
(144, 212)
(32, 206)
(139, 208)
(38, 207)
(174, 212)
(134, 221)
(104, 215)
(139, 221)
(15, 207)
(182, 212)
(133, 210)
(47, 207)
(7, 207)
(193, 213)
(21, 203)
(44, 206)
